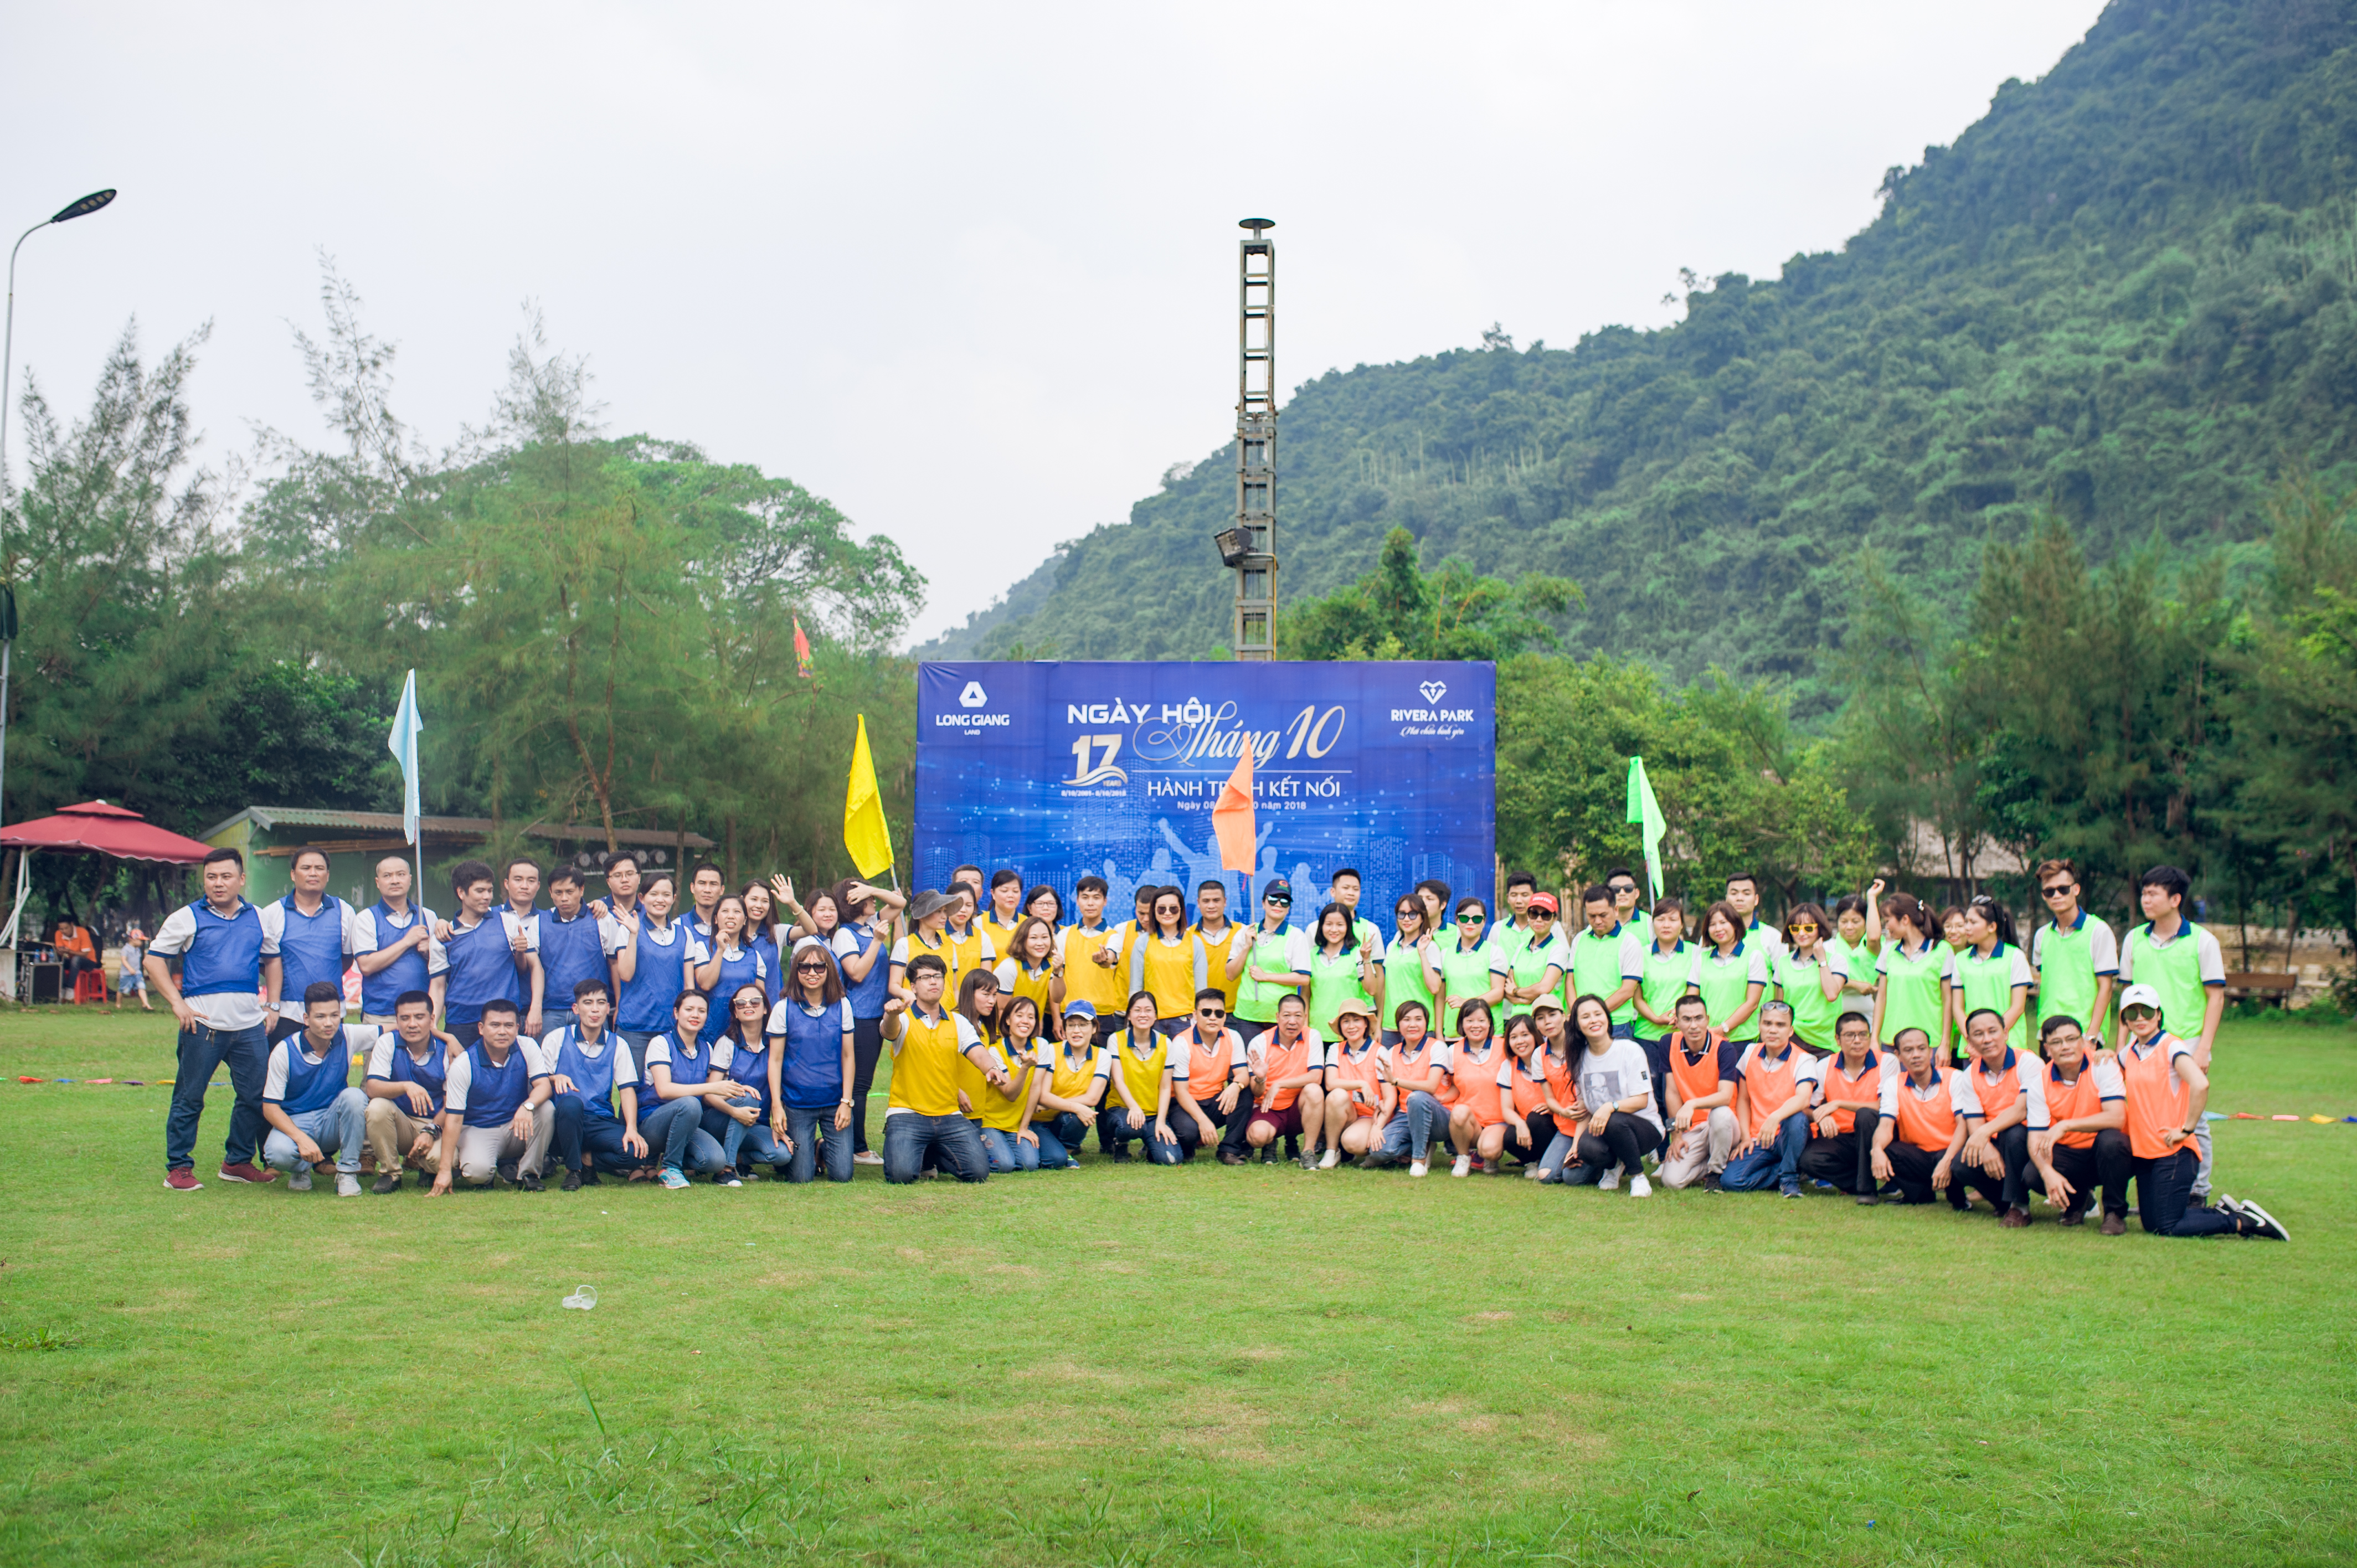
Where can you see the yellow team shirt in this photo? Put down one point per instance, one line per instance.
(1069, 1076)
(1143, 1074)
(1216, 952)
(1087, 981)
(1001, 938)
(925, 1064)
(1004, 1111)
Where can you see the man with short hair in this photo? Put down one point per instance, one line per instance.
(521, 884)
(1208, 1080)
(407, 1069)
(574, 946)
(224, 954)
(1219, 938)
(1776, 1083)
(2184, 964)
(923, 1116)
(1607, 960)
(1918, 1133)
(1347, 886)
(594, 1097)
(1088, 977)
(2078, 1138)
(495, 1118)
(1701, 1098)
(1287, 1068)
(312, 929)
(307, 1097)
(623, 879)
(393, 946)
(704, 889)
(2074, 956)
(1846, 1111)
(1509, 934)
(1743, 892)
(1621, 883)
(1997, 1097)
(479, 945)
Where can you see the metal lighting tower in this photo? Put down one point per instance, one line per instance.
(1249, 547)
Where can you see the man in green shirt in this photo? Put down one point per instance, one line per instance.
(1364, 933)
(2075, 957)
(2183, 963)
(1743, 892)
(1512, 934)
(1607, 960)
(1624, 884)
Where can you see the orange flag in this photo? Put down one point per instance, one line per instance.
(1231, 815)
(802, 651)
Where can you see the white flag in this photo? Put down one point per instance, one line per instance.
(404, 746)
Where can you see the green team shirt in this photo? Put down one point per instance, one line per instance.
(1529, 966)
(1332, 980)
(2181, 969)
(1911, 997)
(1600, 965)
(1989, 980)
(1800, 984)
(1858, 965)
(2069, 960)
(1282, 952)
(1724, 981)
(1465, 974)
(1404, 981)
(1664, 983)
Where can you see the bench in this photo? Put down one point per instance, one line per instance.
(2267, 984)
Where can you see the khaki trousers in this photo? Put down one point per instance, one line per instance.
(1695, 1155)
(481, 1149)
(391, 1130)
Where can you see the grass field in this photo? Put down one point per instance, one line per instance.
(1128, 1365)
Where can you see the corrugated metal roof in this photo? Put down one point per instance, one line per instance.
(268, 817)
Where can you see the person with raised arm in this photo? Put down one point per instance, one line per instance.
(1908, 992)
(1857, 941)
(927, 1043)
(730, 964)
(862, 947)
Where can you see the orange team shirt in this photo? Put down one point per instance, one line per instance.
(1529, 1098)
(1476, 1081)
(1559, 1079)
(1928, 1121)
(1767, 1084)
(1695, 1080)
(1996, 1094)
(1416, 1066)
(1209, 1069)
(2098, 1084)
(2156, 1098)
(76, 940)
(1362, 1076)
(1834, 1083)
(1280, 1060)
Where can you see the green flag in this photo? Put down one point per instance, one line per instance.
(1643, 809)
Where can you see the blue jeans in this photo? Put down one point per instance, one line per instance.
(1008, 1153)
(763, 1144)
(815, 1139)
(1059, 1140)
(202, 1049)
(908, 1137)
(1115, 1133)
(1773, 1166)
(554, 1018)
(340, 1129)
(675, 1133)
(1427, 1119)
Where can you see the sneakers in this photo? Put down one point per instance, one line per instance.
(1310, 1158)
(589, 1178)
(1419, 1167)
(2115, 1224)
(389, 1182)
(1464, 1165)
(2269, 1228)
(246, 1171)
(1610, 1181)
(2226, 1201)
(728, 1178)
(507, 1171)
(673, 1179)
(348, 1184)
(1790, 1187)
(1639, 1186)
(866, 1157)
(2016, 1219)
(572, 1181)
(530, 1182)
(1533, 1173)
(300, 1181)
(1331, 1158)
(180, 1178)
(1376, 1160)
(1710, 1181)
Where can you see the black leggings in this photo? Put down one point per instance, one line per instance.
(1543, 1133)
(867, 1045)
(1627, 1139)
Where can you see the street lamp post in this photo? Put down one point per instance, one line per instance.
(83, 209)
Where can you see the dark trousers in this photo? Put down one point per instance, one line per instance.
(1657, 1059)
(280, 1026)
(2164, 1198)
(1625, 1141)
(2105, 1166)
(2012, 1146)
(1543, 1133)
(1912, 1168)
(1231, 1126)
(202, 1049)
(1845, 1159)
(1115, 1134)
(573, 1130)
(867, 1045)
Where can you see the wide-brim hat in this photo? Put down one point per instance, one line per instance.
(931, 901)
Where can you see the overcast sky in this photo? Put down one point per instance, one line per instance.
(968, 270)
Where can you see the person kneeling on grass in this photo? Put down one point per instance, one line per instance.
(682, 1082)
(1848, 1108)
(590, 1071)
(2166, 1092)
(927, 1045)
(1419, 1075)
(495, 1114)
(813, 1067)
(743, 1053)
(1776, 1084)
(1553, 1070)
(1530, 1117)
(1477, 1122)
(2078, 1135)
(1918, 1133)
(407, 1070)
(1288, 1080)
(307, 1098)
(1003, 1116)
(1067, 1104)
(1615, 1079)
(1207, 1076)
(1996, 1095)
(1137, 1069)
(1360, 1097)
(1701, 1098)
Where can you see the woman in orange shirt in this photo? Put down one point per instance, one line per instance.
(1530, 1125)
(2166, 1093)
(1418, 1069)
(1477, 1122)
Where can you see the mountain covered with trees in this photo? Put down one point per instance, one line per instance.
(2126, 298)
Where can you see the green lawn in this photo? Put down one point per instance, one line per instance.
(1131, 1365)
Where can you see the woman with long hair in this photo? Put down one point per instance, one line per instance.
(1991, 972)
(1809, 978)
(1410, 970)
(1553, 1071)
(1339, 968)
(742, 1050)
(1530, 1127)
(653, 965)
(1729, 975)
(1360, 1095)
(1031, 969)
(1477, 1122)
(732, 961)
(1165, 965)
(761, 932)
(862, 950)
(1615, 1085)
(1007, 1140)
(1907, 994)
(813, 1067)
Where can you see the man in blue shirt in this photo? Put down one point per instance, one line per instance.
(308, 1099)
(224, 957)
(574, 946)
(393, 946)
(312, 929)
(481, 946)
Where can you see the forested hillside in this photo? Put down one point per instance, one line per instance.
(2124, 295)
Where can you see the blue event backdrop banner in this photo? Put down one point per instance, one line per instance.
(1061, 769)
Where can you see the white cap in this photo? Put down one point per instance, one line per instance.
(2140, 996)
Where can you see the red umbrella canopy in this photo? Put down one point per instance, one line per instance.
(96, 828)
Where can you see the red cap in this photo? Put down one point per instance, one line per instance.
(1544, 901)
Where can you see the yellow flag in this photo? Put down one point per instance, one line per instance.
(864, 833)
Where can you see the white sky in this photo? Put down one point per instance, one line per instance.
(967, 271)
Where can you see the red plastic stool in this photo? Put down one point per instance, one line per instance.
(89, 985)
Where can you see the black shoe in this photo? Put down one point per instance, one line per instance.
(1710, 1181)
(589, 1177)
(1376, 1160)
(1867, 1200)
(507, 1171)
(2075, 1214)
(1121, 1154)
(1230, 1158)
(573, 1181)
(389, 1182)
(530, 1183)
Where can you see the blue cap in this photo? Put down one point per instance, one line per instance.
(1080, 1010)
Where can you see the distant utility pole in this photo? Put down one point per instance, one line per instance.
(1249, 547)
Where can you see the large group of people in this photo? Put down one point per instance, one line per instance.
(1878, 1048)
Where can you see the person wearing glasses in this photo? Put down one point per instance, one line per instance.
(1208, 1081)
(1165, 962)
(1536, 966)
(1809, 976)
(2078, 1137)
(1621, 883)
(1472, 966)
(1410, 970)
(2167, 1091)
(1272, 964)
(2074, 956)
(814, 1067)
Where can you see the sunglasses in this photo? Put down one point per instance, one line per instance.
(2138, 1012)
(1470, 920)
(810, 968)
(1803, 926)
(1280, 903)
(1543, 914)
(2060, 890)
(1621, 887)
(1211, 1012)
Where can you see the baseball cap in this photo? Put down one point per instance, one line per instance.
(2140, 996)
(1543, 901)
(1080, 1010)
(1279, 891)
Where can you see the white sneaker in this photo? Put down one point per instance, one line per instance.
(866, 1157)
(1419, 1167)
(1611, 1181)
(1640, 1187)
(300, 1179)
(1464, 1165)
(1333, 1157)
(347, 1185)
